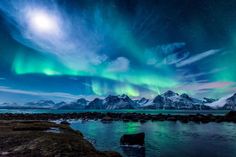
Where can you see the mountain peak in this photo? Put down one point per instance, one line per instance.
(124, 96)
(170, 93)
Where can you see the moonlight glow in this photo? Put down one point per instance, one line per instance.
(140, 48)
(41, 21)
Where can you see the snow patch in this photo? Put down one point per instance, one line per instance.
(219, 103)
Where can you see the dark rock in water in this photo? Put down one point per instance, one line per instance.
(29, 138)
(133, 139)
(143, 120)
(231, 116)
(106, 119)
(64, 122)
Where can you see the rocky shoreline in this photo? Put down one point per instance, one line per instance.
(126, 117)
(44, 139)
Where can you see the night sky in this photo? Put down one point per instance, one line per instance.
(66, 49)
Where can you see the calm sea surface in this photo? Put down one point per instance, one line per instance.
(162, 139)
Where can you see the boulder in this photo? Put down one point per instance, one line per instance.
(106, 119)
(133, 139)
(64, 122)
(231, 116)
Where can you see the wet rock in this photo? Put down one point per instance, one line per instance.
(125, 117)
(106, 119)
(64, 122)
(132, 139)
(172, 118)
(231, 115)
(126, 120)
(143, 121)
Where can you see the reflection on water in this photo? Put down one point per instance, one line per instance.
(133, 151)
(164, 138)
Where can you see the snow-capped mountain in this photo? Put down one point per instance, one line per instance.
(227, 102)
(41, 104)
(119, 102)
(79, 104)
(167, 100)
(172, 100)
(209, 100)
(95, 104)
(112, 102)
(144, 102)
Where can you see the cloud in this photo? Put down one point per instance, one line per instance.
(168, 54)
(96, 60)
(205, 86)
(39, 93)
(121, 64)
(170, 48)
(197, 57)
(175, 58)
(203, 73)
(68, 43)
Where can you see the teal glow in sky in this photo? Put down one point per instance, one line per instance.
(96, 48)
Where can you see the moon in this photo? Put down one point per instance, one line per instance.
(42, 22)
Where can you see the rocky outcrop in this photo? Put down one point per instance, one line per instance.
(126, 117)
(44, 139)
(133, 139)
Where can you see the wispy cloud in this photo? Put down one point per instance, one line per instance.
(39, 93)
(121, 64)
(197, 57)
(174, 58)
(166, 54)
(205, 86)
(203, 73)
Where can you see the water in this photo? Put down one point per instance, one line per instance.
(163, 139)
(174, 112)
(167, 139)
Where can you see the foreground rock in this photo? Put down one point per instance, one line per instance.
(133, 139)
(44, 139)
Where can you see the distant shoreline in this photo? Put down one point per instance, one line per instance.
(125, 117)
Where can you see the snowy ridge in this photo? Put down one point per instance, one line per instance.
(167, 100)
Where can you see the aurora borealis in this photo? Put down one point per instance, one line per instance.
(65, 49)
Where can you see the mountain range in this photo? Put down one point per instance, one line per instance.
(167, 100)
